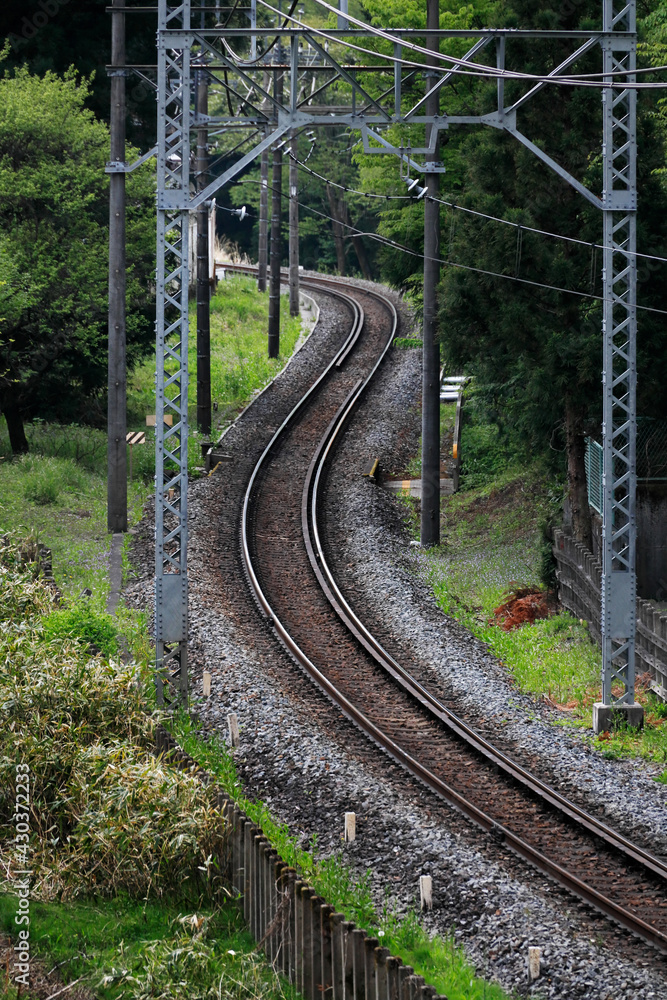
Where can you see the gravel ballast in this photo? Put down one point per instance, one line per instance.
(311, 766)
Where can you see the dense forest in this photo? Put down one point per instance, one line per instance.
(535, 352)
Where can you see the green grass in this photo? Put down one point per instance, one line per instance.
(442, 963)
(413, 469)
(239, 361)
(57, 493)
(63, 505)
(492, 544)
(126, 891)
(135, 949)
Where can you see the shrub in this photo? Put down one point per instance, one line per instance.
(104, 812)
(46, 480)
(84, 625)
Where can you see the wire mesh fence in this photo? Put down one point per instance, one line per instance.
(651, 450)
(593, 462)
(651, 458)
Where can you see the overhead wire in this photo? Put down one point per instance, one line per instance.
(470, 211)
(480, 70)
(455, 264)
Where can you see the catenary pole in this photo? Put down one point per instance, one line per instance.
(276, 194)
(203, 276)
(263, 212)
(430, 503)
(117, 380)
(293, 229)
(619, 385)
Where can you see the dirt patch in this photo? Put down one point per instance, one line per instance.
(45, 981)
(524, 606)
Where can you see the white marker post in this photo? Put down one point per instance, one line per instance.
(350, 827)
(426, 892)
(534, 963)
(233, 725)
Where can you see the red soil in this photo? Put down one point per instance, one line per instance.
(527, 604)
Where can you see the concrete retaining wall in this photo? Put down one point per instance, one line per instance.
(325, 956)
(579, 576)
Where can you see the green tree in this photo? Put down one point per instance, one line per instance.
(54, 253)
(538, 351)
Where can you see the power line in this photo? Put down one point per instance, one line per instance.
(472, 211)
(464, 267)
(476, 69)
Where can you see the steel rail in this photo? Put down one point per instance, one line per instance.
(414, 688)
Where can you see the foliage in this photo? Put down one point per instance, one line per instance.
(48, 35)
(118, 946)
(53, 252)
(494, 542)
(104, 812)
(81, 623)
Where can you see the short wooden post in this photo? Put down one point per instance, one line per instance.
(336, 923)
(404, 973)
(393, 977)
(299, 953)
(247, 870)
(289, 960)
(359, 964)
(326, 946)
(307, 920)
(206, 685)
(233, 727)
(426, 892)
(417, 983)
(381, 978)
(534, 963)
(350, 828)
(370, 944)
(316, 903)
(348, 959)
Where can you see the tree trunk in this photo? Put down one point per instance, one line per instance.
(362, 257)
(357, 243)
(17, 438)
(337, 230)
(576, 473)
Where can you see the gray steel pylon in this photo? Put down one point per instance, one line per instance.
(171, 442)
(620, 370)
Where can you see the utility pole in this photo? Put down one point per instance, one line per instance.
(293, 228)
(430, 504)
(263, 212)
(203, 276)
(276, 194)
(117, 380)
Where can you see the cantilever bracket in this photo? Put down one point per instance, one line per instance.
(556, 167)
(120, 167)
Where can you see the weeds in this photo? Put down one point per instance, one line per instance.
(104, 813)
(83, 624)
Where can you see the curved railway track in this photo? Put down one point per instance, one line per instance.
(284, 549)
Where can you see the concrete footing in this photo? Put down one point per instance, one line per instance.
(608, 717)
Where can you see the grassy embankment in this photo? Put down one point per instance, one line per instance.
(493, 543)
(123, 893)
(57, 493)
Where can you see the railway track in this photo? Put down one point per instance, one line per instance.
(284, 547)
